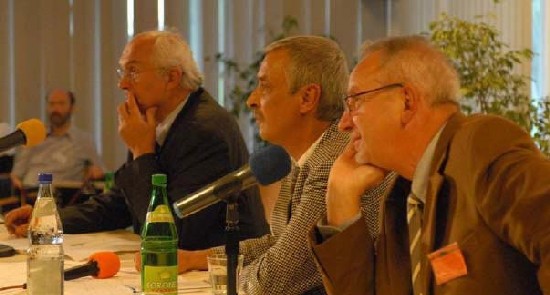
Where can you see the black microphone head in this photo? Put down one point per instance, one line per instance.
(270, 164)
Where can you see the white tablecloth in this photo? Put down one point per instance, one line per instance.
(77, 248)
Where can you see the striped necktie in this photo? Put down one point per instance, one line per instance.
(414, 219)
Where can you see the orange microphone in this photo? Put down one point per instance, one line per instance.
(101, 265)
(28, 133)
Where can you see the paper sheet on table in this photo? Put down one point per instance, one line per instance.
(124, 282)
(80, 247)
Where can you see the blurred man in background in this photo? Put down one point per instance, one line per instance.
(68, 152)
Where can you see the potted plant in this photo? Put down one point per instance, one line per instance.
(489, 83)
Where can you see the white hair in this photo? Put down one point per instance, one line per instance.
(169, 51)
(415, 60)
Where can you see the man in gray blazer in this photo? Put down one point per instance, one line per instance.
(297, 104)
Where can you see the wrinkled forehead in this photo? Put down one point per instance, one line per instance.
(366, 73)
(274, 64)
(138, 51)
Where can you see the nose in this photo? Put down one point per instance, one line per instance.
(252, 101)
(123, 83)
(346, 122)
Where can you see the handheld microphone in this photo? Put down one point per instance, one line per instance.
(28, 133)
(100, 265)
(266, 166)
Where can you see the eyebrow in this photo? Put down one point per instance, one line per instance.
(129, 63)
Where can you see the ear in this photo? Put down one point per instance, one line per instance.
(309, 98)
(173, 78)
(411, 103)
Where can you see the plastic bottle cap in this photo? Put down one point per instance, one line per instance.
(159, 179)
(45, 178)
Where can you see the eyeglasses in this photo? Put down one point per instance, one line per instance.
(350, 101)
(132, 74)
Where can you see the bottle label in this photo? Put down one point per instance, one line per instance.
(160, 214)
(160, 279)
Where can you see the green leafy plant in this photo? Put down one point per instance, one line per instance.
(489, 83)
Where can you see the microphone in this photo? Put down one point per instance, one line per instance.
(101, 265)
(28, 133)
(266, 166)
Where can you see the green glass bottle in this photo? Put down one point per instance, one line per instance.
(159, 244)
(109, 182)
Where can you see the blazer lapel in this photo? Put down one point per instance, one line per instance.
(393, 277)
(435, 184)
(429, 226)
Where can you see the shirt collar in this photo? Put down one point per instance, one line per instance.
(305, 156)
(69, 134)
(421, 174)
(163, 127)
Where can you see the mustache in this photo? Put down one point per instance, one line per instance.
(257, 116)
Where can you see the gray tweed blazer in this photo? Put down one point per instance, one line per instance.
(281, 262)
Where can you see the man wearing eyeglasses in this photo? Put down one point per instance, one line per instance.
(170, 125)
(475, 219)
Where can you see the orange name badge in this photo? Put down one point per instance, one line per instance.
(448, 263)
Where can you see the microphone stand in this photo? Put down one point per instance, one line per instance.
(232, 243)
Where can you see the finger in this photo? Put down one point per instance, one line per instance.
(137, 261)
(181, 259)
(16, 215)
(349, 150)
(131, 104)
(122, 112)
(26, 209)
(151, 116)
(10, 228)
(11, 216)
(21, 230)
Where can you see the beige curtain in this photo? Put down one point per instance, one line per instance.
(75, 44)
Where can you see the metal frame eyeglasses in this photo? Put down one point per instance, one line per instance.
(350, 101)
(132, 74)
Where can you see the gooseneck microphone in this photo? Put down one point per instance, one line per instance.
(100, 265)
(266, 166)
(28, 133)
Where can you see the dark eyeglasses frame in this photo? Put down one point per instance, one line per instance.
(351, 100)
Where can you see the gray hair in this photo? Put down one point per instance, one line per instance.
(320, 61)
(170, 50)
(413, 59)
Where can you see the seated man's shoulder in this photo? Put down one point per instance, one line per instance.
(485, 131)
(331, 145)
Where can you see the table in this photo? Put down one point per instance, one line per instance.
(13, 270)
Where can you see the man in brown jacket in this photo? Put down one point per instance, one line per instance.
(476, 219)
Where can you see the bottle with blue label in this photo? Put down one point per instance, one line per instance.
(159, 244)
(45, 253)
